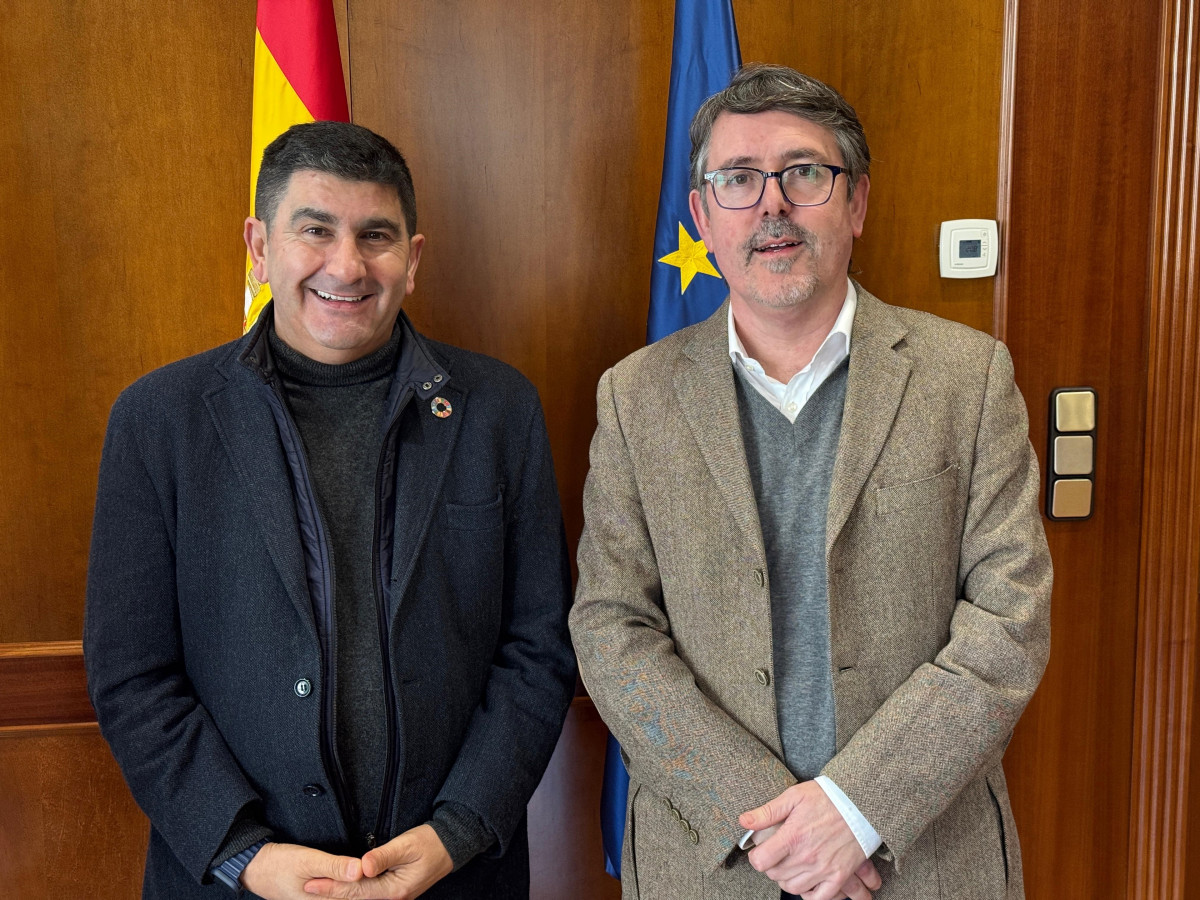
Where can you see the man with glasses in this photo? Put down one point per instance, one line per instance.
(326, 615)
(814, 587)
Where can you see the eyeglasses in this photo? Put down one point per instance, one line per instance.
(741, 187)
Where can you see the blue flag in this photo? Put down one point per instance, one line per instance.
(685, 286)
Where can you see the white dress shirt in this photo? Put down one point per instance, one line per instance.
(789, 399)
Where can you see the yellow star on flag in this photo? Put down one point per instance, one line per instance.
(690, 258)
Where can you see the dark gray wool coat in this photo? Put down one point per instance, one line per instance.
(204, 590)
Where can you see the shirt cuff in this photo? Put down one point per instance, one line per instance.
(461, 832)
(868, 838)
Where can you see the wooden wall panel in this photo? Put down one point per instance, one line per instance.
(124, 142)
(1163, 836)
(536, 145)
(566, 859)
(925, 81)
(1077, 275)
(68, 826)
(43, 684)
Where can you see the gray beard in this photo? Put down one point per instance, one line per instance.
(799, 291)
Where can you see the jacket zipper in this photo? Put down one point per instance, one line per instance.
(383, 819)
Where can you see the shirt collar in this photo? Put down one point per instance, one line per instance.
(835, 347)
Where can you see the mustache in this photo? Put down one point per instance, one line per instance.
(774, 229)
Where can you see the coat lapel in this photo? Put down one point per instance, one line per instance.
(426, 443)
(249, 434)
(707, 395)
(875, 386)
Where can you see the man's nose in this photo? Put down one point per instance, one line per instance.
(345, 261)
(773, 202)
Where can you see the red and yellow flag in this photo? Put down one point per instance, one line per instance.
(297, 78)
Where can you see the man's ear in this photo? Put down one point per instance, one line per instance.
(858, 205)
(254, 232)
(415, 245)
(699, 215)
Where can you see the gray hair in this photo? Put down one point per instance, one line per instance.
(758, 87)
(341, 149)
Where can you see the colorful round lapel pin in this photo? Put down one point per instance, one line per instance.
(441, 407)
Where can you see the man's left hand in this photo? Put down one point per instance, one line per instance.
(813, 852)
(403, 868)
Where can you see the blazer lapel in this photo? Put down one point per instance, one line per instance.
(426, 443)
(875, 386)
(707, 395)
(248, 431)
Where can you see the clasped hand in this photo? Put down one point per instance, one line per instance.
(812, 851)
(403, 868)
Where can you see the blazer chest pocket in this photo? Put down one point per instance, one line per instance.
(484, 517)
(913, 494)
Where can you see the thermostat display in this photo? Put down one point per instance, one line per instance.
(968, 248)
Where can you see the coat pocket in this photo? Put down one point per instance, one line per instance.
(922, 492)
(482, 517)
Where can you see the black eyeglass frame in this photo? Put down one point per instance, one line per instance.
(836, 170)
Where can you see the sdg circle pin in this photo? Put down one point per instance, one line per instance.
(441, 407)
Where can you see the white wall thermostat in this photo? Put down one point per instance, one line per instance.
(968, 248)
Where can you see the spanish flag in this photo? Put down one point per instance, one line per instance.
(297, 78)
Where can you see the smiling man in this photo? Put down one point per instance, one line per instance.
(814, 588)
(326, 618)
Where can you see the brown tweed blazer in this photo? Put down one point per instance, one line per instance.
(939, 605)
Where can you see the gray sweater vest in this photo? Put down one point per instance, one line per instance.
(791, 467)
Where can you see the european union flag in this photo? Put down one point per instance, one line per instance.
(685, 287)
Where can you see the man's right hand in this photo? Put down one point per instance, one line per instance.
(280, 871)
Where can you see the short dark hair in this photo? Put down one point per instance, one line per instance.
(337, 148)
(758, 87)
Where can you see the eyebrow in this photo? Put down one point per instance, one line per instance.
(380, 223)
(789, 157)
(311, 212)
(377, 223)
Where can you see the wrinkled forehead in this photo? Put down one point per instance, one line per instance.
(768, 140)
(332, 199)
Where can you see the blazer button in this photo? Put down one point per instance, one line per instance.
(313, 790)
(762, 676)
(693, 837)
(302, 687)
(758, 577)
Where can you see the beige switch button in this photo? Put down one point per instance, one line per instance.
(1075, 411)
(1072, 498)
(1073, 454)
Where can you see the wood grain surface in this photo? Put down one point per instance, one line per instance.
(43, 684)
(125, 161)
(69, 829)
(1165, 794)
(1077, 274)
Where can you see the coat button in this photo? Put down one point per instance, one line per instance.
(758, 577)
(302, 687)
(313, 790)
(762, 676)
(437, 378)
(427, 385)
